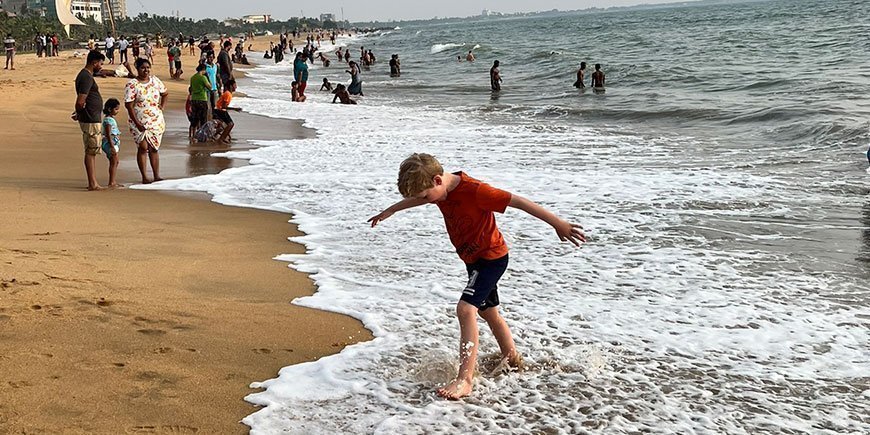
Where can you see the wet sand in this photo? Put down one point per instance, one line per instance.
(136, 311)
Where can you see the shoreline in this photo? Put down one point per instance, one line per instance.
(138, 310)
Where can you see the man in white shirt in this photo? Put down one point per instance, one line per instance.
(122, 49)
(110, 48)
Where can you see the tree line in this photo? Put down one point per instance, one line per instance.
(26, 26)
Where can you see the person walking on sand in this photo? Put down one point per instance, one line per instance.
(495, 77)
(123, 45)
(89, 105)
(145, 97)
(110, 48)
(468, 207)
(598, 78)
(9, 45)
(580, 73)
(225, 63)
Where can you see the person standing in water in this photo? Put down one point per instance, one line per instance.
(495, 77)
(598, 78)
(470, 56)
(580, 73)
(469, 206)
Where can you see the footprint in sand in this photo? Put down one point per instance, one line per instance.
(19, 384)
(119, 364)
(262, 351)
(152, 331)
(162, 350)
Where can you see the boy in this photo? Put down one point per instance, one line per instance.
(220, 111)
(326, 86)
(468, 205)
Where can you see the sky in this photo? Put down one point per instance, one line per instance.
(361, 10)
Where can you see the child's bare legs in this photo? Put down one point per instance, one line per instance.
(503, 336)
(226, 133)
(468, 343)
(113, 169)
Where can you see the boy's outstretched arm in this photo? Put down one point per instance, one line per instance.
(564, 229)
(401, 205)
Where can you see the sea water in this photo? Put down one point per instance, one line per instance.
(721, 182)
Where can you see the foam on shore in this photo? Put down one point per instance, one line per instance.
(659, 323)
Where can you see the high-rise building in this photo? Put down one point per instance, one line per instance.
(119, 9)
(88, 9)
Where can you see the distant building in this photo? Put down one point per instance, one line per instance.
(12, 6)
(119, 10)
(42, 8)
(327, 17)
(255, 19)
(88, 9)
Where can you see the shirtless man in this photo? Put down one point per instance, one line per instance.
(495, 77)
(580, 73)
(598, 78)
(470, 56)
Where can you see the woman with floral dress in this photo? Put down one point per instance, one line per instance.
(145, 96)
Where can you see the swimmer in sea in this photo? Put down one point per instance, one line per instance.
(598, 78)
(580, 73)
(495, 77)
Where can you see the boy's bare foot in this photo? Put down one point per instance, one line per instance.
(146, 181)
(95, 188)
(455, 390)
(507, 364)
(156, 179)
(113, 186)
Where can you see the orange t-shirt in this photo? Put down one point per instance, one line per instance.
(468, 215)
(224, 101)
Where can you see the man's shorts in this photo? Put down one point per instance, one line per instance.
(199, 113)
(223, 116)
(92, 136)
(483, 276)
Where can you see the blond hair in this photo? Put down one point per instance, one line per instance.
(416, 174)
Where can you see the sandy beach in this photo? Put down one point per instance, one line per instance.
(128, 311)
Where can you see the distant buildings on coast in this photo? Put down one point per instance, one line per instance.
(97, 9)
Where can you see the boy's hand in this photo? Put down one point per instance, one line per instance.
(570, 232)
(379, 217)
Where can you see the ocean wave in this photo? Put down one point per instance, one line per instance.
(438, 48)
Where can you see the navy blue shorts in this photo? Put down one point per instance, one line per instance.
(483, 276)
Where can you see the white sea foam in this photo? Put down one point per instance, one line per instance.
(654, 326)
(438, 48)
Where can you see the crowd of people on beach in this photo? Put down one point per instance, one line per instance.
(208, 102)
